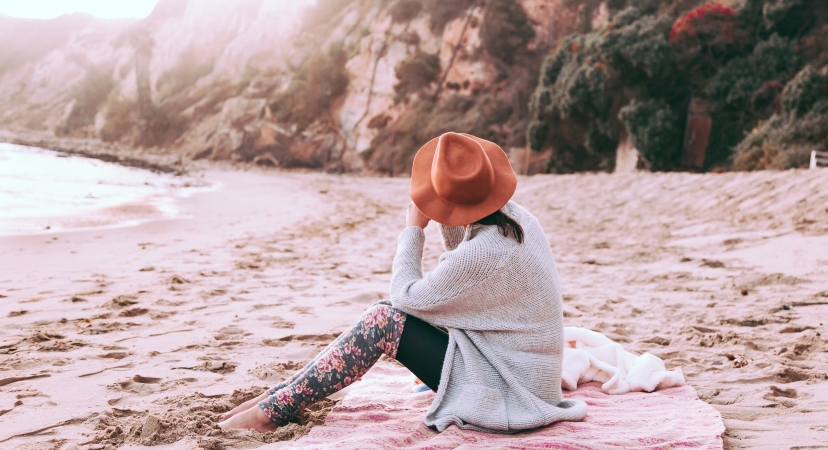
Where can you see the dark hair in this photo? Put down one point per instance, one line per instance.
(504, 223)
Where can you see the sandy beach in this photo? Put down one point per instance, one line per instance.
(160, 327)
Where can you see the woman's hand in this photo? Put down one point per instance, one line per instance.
(415, 218)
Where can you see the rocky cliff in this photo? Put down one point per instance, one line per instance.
(341, 85)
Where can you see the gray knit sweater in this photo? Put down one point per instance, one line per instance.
(501, 304)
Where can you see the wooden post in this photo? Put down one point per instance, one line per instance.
(813, 160)
(697, 133)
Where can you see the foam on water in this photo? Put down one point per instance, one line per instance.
(44, 191)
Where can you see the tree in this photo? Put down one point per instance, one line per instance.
(638, 74)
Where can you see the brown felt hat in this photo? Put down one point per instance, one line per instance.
(458, 179)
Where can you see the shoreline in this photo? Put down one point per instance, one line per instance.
(47, 192)
(97, 149)
(159, 162)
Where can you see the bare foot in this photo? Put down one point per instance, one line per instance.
(244, 406)
(251, 419)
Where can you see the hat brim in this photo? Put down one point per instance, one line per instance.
(435, 208)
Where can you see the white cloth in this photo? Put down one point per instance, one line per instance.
(591, 356)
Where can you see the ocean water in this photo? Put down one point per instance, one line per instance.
(43, 191)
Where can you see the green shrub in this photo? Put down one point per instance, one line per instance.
(536, 134)
(627, 16)
(587, 80)
(646, 6)
(787, 17)
(573, 83)
(787, 138)
(733, 85)
(183, 74)
(654, 130)
(90, 94)
(737, 90)
(506, 30)
(641, 46)
(415, 73)
(405, 10)
(120, 119)
(585, 10)
(783, 142)
(444, 11)
(313, 88)
(394, 147)
(803, 92)
(653, 57)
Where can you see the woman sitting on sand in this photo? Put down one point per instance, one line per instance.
(495, 291)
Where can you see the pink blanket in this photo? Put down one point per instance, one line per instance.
(380, 412)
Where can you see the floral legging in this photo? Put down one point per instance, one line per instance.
(341, 363)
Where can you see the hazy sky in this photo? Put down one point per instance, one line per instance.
(105, 9)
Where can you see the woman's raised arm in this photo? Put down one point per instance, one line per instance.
(445, 292)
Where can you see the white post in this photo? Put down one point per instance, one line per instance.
(813, 160)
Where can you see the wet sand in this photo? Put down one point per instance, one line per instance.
(143, 335)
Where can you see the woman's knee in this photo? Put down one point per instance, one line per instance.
(382, 308)
(387, 322)
(375, 313)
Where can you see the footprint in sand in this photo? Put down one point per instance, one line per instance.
(115, 355)
(163, 302)
(712, 264)
(122, 301)
(792, 374)
(340, 303)
(138, 384)
(277, 322)
(807, 344)
(779, 392)
(308, 339)
(781, 396)
(158, 315)
(302, 309)
(265, 306)
(658, 340)
(133, 312)
(216, 293)
(230, 333)
(220, 367)
(10, 380)
(178, 382)
(8, 402)
(146, 380)
(178, 279)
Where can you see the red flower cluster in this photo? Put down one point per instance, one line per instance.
(690, 23)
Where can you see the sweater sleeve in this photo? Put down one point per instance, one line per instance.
(442, 293)
(408, 262)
